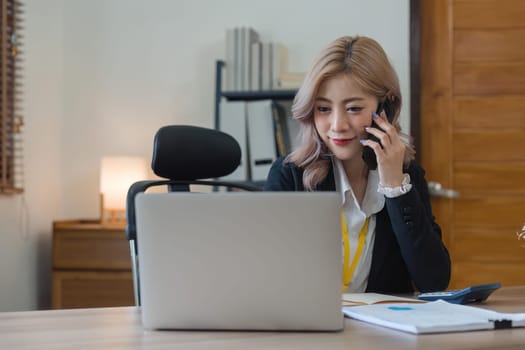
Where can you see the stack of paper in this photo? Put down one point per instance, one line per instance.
(434, 317)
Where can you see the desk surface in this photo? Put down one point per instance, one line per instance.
(120, 328)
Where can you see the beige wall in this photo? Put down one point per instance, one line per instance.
(103, 75)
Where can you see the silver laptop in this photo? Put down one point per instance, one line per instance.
(240, 260)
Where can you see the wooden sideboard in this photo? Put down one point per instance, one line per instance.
(91, 265)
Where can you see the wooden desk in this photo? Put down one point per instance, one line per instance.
(91, 265)
(120, 328)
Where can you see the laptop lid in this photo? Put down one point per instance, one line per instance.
(240, 260)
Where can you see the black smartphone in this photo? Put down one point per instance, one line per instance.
(369, 155)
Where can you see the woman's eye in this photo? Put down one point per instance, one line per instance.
(323, 109)
(354, 109)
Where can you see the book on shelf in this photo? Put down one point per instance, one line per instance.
(280, 126)
(290, 80)
(238, 59)
(230, 60)
(293, 132)
(355, 299)
(261, 144)
(249, 36)
(273, 65)
(262, 130)
(266, 66)
(292, 126)
(233, 122)
(278, 63)
(433, 317)
(255, 66)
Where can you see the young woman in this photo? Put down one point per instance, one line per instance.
(391, 242)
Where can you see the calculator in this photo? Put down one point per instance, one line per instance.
(467, 295)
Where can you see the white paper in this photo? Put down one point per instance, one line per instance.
(434, 317)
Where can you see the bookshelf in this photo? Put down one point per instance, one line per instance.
(286, 95)
(245, 96)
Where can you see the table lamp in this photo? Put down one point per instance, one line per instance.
(117, 174)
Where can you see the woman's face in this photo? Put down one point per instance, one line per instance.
(341, 112)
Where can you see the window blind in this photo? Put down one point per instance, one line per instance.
(11, 120)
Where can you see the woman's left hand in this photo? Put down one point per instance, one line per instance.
(392, 153)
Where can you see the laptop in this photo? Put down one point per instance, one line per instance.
(240, 260)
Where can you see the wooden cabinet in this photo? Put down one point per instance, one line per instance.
(91, 265)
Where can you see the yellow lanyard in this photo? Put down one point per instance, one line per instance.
(348, 271)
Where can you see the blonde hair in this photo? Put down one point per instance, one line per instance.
(367, 62)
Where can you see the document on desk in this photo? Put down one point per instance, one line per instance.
(434, 317)
(355, 299)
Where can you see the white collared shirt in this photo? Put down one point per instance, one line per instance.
(355, 216)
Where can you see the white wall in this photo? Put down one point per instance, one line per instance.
(25, 220)
(103, 75)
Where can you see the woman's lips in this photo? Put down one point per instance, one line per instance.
(341, 142)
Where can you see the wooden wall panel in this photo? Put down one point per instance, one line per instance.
(488, 13)
(435, 102)
(490, 112)
(489, 78)
(489, 146)
(467, 274)
(490, 179)
(473, 132)
(490, 212)
(490, 246)
(489, 45)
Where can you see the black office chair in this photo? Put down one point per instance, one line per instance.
(184, 155)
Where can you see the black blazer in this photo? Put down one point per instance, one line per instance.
(408, 251)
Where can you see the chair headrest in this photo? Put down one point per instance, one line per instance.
(183, 152)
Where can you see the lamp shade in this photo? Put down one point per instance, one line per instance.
(117, 174)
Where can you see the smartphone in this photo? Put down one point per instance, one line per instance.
(369, 155)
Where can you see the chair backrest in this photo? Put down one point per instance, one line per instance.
(182, 152)
(184, 155)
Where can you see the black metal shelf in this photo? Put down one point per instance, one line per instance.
(244, 95)
(259, 95)
(281, 95)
